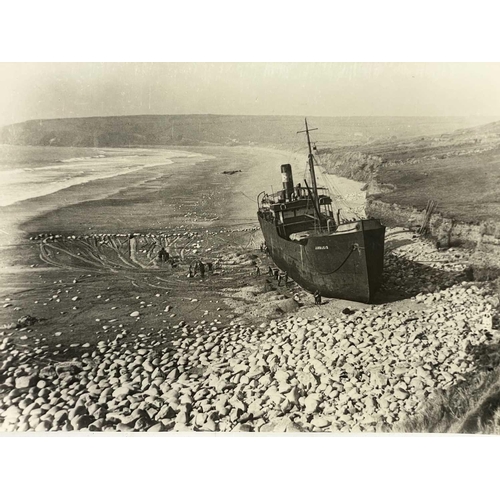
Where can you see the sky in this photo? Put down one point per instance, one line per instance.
(60, 90)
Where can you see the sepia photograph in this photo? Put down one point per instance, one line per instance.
(249, 250)
(285, 265)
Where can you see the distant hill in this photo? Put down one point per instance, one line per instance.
(161, 130)
(458, 170)
(366, 160)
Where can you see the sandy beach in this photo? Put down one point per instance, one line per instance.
(97, 334)
(187, 191)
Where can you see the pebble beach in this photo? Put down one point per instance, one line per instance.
(126, 348)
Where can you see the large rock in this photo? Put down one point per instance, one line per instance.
(71, 367)
(123, 391)
(282, 376)
(320, 422)
(26, 381)
(12, 414)
(82, 422)
(311, 403)
(401, 393)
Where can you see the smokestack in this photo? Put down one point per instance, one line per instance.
(287, 178)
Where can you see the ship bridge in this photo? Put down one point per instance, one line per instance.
(295, 211)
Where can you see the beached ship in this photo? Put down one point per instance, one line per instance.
(319, 249)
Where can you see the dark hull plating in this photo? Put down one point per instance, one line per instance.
(345, 266)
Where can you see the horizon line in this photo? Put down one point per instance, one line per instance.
(243, 115)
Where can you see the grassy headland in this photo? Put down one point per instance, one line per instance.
(458, 170)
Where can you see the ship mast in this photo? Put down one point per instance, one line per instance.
(311, 166)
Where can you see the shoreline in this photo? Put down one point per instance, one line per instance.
(94, 189)
(152, 349)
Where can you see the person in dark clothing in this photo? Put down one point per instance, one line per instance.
(317, 298)
(202, 269)
(210, 267)
(276, 273)
(163, 255)
(285, 278)
(279, 279)
(270, 272)
(257, 271)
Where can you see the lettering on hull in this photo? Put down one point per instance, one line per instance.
(324, 247)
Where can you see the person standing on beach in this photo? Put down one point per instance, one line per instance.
(163, 255)
(317, 298)
(257, 271)
(202, 269)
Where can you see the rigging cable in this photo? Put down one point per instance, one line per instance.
(340, 199)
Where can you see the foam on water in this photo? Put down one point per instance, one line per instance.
(71, 160)
(20, 184)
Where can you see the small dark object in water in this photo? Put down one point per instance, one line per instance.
(231, 172)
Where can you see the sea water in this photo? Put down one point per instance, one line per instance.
(32, 171)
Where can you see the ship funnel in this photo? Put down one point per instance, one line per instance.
(287, 178)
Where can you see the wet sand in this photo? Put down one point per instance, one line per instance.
(190, 193)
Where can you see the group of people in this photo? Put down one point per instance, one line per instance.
(163, 257)
(200, 267)
(278, 276)
(263, 248)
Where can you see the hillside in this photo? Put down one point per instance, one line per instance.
(189, 130)
(459, 170)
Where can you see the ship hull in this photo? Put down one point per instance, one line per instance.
(340, 265)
